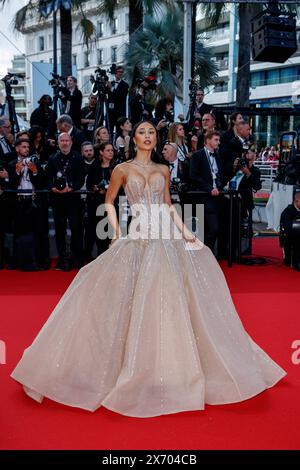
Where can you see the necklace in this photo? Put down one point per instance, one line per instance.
(142, 164)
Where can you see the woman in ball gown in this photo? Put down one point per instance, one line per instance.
(149, 327)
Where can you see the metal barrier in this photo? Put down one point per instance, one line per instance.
(268, 172)
(234, 196)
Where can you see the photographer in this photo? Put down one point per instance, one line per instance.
(45, 117)
(123, 130)
(206, 175)
(179, 170)
(290, 233)
(117, 97)
(139, 109)
(66, 175)
(25, 173)
(88, 116)
(71, 97)
(98, 181)
(246, 179)
(163, 117)
(5, 157)
(234, 148)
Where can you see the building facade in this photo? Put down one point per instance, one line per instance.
(107, 47)
(271, 84)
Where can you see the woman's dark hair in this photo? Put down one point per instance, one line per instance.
(160, 107)
(155, 157)
(120, 122)
(33, 133)
(232, 119)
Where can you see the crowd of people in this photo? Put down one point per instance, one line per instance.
(66, 163)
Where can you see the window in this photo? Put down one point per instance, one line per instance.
(99, 30)
(74, 59)
(50, 60)
(86, 85)
(127, 22)
(41, 41)
(114, 28)
(86, 59)
(99, 56)
(114, 54)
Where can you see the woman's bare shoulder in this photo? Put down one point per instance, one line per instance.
(163, 168)
(121, 168)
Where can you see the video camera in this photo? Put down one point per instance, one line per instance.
(57, 82)
(100, 79)
(11, 79)
(147, 83)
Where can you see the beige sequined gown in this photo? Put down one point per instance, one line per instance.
(148, 328)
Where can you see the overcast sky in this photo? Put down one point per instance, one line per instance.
(17, 45)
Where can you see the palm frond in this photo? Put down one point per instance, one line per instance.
(88, 32)
(19, 20)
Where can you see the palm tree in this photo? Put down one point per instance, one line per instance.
(157, 49)
(246, 12)
(137, 9)
(44, 8)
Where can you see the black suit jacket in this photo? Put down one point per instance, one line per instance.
(247, 185)
(78, 137)
(118, 97)
(74, 173)
(14, 178)
(5, 158)
(75, 104)
(200, 172)
(230, 150)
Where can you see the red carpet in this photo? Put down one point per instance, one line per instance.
(268, 301)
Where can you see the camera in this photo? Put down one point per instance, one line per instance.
(57, 82)
(242, 161)
(99, 82)
(103, 184)
(177, 186)
(32, 159)
(147, 83)
(60, 181)
(11, 79)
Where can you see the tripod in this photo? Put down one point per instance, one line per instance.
(101, 114)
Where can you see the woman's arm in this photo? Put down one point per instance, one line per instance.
(116, 181)
(187, 235)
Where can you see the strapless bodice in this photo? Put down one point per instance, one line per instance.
(140, 190)
(150, 215)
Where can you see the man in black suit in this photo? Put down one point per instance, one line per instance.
(200, 108)
(289, 236)
(25, 174)
(179, 170)
(71, 96)
(117, 98)
(234, 148)
(6, 155)
(5, 146)
(206, 175)
(65, 124)
(66, 175)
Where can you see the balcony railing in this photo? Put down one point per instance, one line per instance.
(274, 81)
(222, 64)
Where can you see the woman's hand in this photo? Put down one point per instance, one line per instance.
(188, 236)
